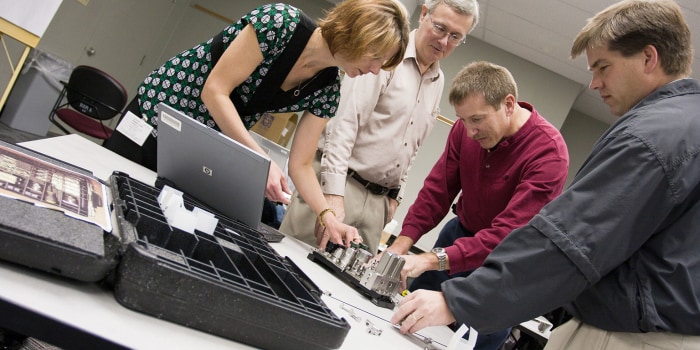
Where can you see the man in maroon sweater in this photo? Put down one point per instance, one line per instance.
(505, 159)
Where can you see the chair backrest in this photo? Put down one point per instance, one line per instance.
(95, 93)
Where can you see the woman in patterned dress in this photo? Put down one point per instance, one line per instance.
(274, 59)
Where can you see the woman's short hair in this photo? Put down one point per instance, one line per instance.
(354, 28)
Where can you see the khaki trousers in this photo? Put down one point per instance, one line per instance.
(575, 335)
(365, 211)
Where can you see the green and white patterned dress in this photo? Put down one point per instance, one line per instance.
(180, 80)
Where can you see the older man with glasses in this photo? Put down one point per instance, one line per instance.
(454, 39)
(382, 120)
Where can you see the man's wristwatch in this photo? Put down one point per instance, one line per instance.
(442, 258)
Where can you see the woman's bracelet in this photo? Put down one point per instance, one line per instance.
(322, 213)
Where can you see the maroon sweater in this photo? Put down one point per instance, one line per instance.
(500, 190)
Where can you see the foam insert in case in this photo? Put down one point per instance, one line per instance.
(230, 283)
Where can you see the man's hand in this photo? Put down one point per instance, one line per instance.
(417, 264)
(401, 245)
(420, 309)
(393, 204)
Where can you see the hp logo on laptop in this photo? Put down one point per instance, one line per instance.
(207, 171)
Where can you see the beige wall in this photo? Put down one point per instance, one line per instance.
(580, 132)
(552, 94)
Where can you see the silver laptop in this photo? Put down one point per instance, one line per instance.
(277, 152)
(211, 167)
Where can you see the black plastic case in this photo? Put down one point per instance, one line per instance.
(231, 284)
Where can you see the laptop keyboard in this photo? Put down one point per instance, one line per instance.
(270, 234)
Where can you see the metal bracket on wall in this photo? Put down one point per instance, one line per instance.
(445, 120)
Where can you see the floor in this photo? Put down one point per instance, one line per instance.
(13, 136)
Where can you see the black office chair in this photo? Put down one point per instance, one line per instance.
(90, 98)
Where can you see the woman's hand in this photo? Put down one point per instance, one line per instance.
(335, 231)
(277, 189)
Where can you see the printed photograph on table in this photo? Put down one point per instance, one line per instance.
(26, 178)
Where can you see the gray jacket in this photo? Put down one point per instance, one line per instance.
(620, 248)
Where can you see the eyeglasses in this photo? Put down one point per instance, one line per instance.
(452, 38)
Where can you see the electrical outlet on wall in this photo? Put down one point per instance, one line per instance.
(84, 2)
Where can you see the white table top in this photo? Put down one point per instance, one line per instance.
(93, 309)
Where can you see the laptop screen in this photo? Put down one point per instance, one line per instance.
(277, 153)
(211, 167)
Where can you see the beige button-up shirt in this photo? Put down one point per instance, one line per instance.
(382, 121)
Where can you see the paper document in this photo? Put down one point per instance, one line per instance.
(33, 180)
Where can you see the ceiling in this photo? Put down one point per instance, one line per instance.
(542, 32)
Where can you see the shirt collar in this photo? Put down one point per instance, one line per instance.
(433, 72)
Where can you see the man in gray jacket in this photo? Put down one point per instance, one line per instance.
(619, 248)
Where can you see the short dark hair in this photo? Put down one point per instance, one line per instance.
(630, 25)
(493, 81)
